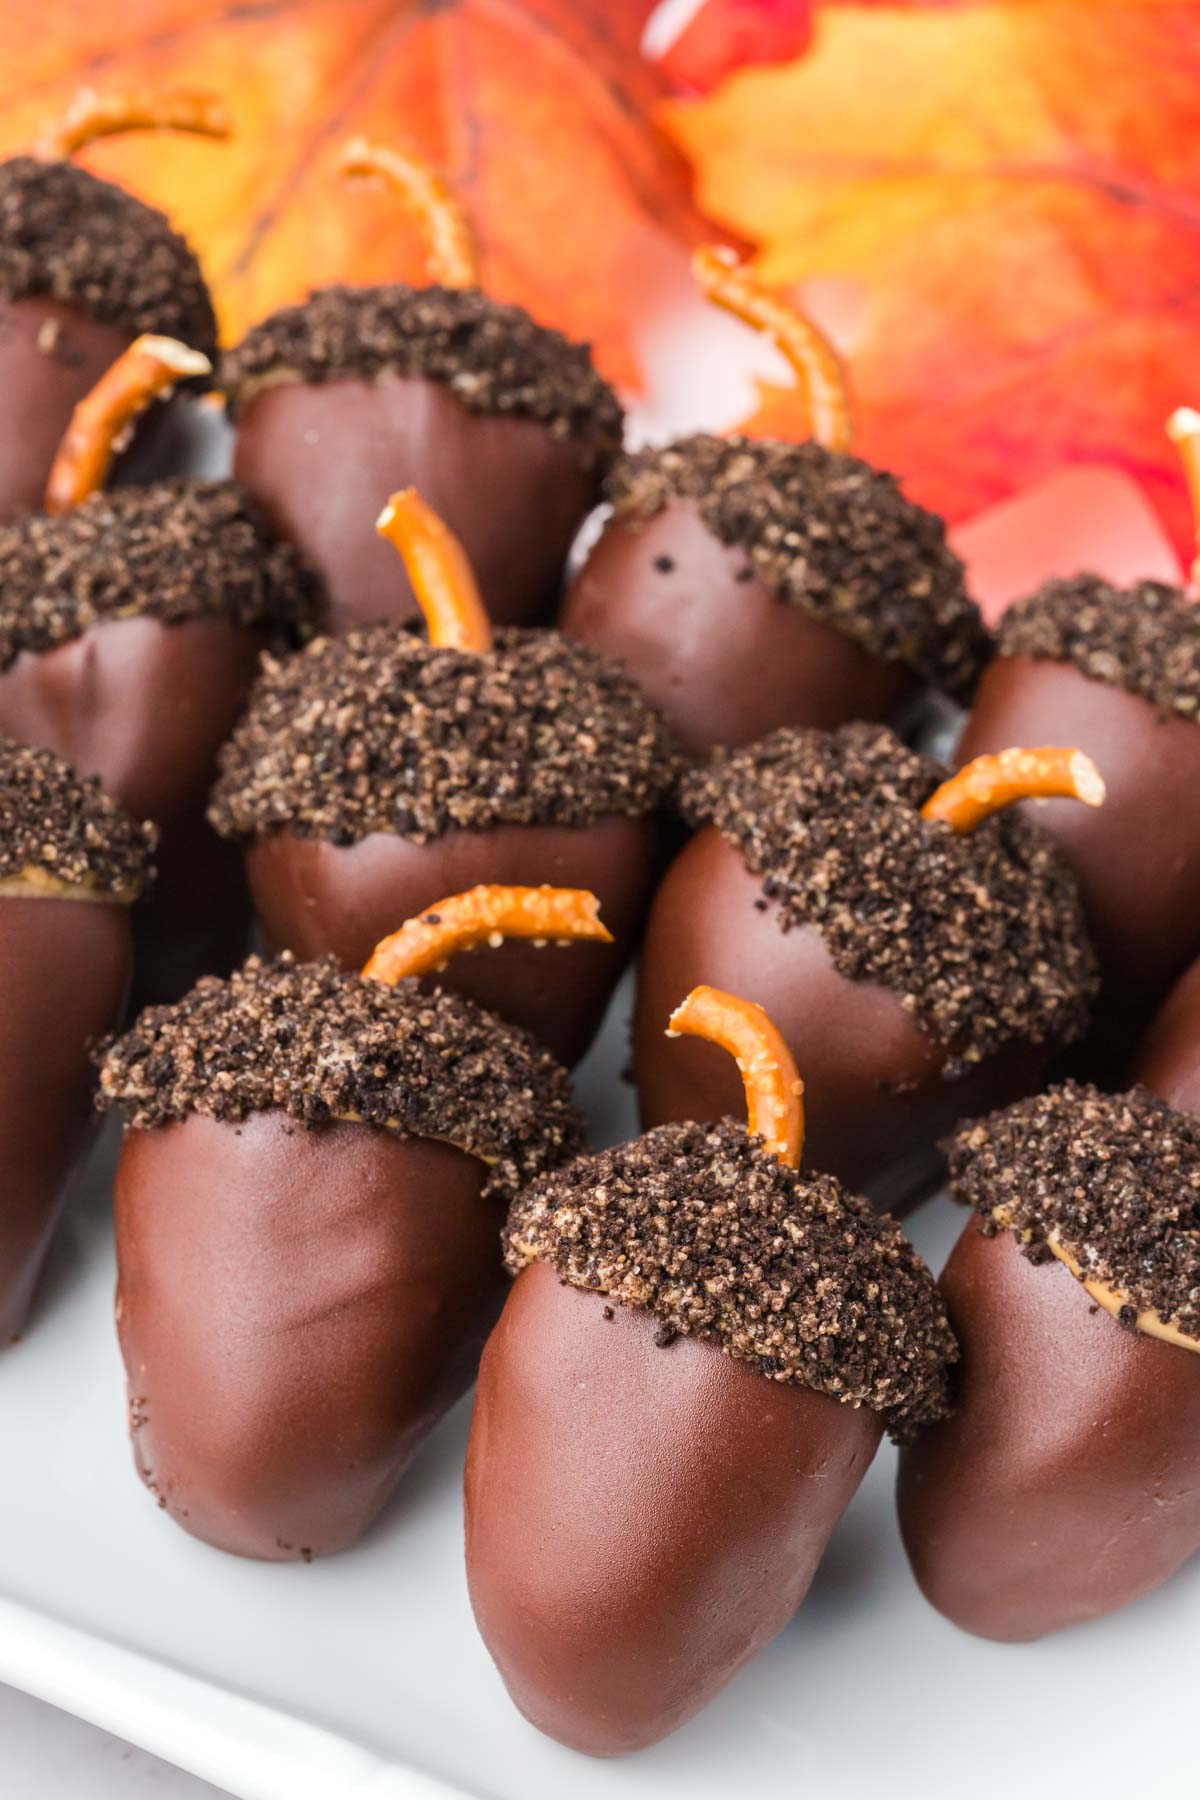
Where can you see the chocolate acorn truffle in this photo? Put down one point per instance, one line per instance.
(504, 423)
(374, 773)
(751, 584)
(922, 957)
(85, 268)
(687, 1384)
(1066, 1481)
(130, 628)
(71, 864)
(1116, 671)
(1168, 1059)
(308, 1206)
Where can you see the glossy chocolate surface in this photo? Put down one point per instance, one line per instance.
(853, 1042)
(314, 897)
(1168, 1059)
(1067, 1482)
(1137, 857)
(723, 659)
(640, 1520)
(322, 459)
(297, 1309)
(146, 706)
(51, 355)
(64, 975)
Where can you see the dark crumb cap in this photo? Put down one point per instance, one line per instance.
(319, 1045)
(90, 244)
(720, 1241)
(829, 533)
(1145, 639)
(1113, 1178)
(55, 823)
(495, 358)
(982, 936)
(173, 550)
(377, 731)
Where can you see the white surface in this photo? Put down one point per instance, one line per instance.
(363, 1675)
(46, 1754)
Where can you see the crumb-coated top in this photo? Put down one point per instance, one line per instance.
(827, 532)
(67, 234)
(318, 1044)
(981, 935)
(703, 1227)
(53, 823)
(1114, 1179)
(493, 357)
(171, 550)
(1145, 638)
(378, 731)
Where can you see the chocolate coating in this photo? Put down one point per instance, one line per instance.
(297, 1309)
(640, 1520)
(64, 975)
(853, 1041)
(146, 706)
(722, 657)
(314, 898)
(1168, 1059)
(43, 386)
(1137, 857)
(322, 459)
(1067, 1481)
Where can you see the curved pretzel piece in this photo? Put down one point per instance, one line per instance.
(449, 245)
(774, 1090)
(486, 916)
(990, 783)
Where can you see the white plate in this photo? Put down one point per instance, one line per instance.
(363, 1675)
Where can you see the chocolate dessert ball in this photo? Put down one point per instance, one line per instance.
(375, 773)
(505, 425)
(1116, 671)
(1168, 1058)
(687, 1384)
(71, 864)
(749, 583)
(916, 972)
(130, 628)
(1066, 1481)
(85, 268)
(308, 1207)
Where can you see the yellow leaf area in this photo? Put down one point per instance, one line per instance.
(997, 207)
(539, 112)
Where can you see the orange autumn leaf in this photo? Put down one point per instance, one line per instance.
(539, 112)
(996, 208)
(725, 35)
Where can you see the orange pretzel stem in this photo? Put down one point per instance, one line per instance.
(91, 116)
(728, 283)
(486, 915)
(1183, 429)
(450, 249)
(442, 578)
(990, 783)
(774, 1090)
(102, 422)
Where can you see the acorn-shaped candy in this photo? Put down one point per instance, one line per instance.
(130, 629)
(71, 864)
(85, 268)
(1066, 1481)
(1168, 1058)
(748, 584)
(687, 1384)
(308, 1207)
(504, 423)
(374, 773)
(1116, 671)
(921, 949)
